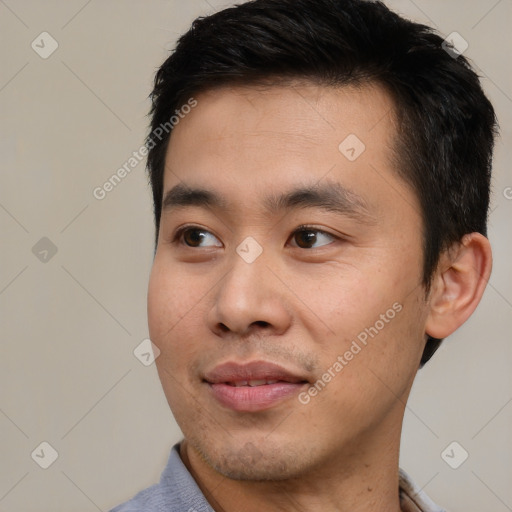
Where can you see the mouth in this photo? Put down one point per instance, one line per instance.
(254, 386)
(252, 383)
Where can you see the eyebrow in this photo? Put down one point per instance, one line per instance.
(182, 196)
(329, 196)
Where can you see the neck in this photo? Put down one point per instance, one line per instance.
(362, 478)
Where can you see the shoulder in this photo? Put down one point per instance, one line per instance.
(414, 499)
(177, 491)
(149, 500)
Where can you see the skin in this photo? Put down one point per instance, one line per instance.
(298, 305)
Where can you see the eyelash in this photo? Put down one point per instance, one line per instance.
(177, 238)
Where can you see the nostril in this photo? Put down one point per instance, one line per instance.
(223, 327)
(261, 323)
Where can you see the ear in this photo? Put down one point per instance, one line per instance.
(458, 284)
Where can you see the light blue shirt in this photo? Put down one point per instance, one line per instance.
(177, 491)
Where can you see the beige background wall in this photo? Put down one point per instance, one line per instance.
(71, 320)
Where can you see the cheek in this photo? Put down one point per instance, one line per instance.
(174, 302)
(174, 312)
(389, 355)
(338, 302)
(375, 316)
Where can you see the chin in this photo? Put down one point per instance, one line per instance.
(258, 460)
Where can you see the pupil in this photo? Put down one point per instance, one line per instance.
(306, 238)
(193, 237)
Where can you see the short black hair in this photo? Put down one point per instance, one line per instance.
(445, 124)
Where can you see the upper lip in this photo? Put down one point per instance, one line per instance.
(255, 370)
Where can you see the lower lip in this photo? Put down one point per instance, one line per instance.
(254, 398)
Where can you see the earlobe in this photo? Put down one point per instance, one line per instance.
(458, 284)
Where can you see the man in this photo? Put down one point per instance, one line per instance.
(320, 171)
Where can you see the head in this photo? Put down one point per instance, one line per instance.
(342, 117)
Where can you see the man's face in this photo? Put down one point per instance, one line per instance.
(285, 295)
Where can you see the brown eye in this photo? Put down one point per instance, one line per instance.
(196, 237)
(307, 238)
(193, 237)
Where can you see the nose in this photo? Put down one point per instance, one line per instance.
(249, 299)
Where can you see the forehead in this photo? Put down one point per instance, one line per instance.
(249, 140)
(286, 115)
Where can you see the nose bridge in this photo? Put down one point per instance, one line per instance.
(244, 285)
(249, 295)
(248, 267)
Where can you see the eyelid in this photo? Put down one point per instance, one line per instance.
(176, 237)
(312, 227)
(307, 227)
(303, 227)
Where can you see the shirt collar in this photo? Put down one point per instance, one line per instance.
(176, 475)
